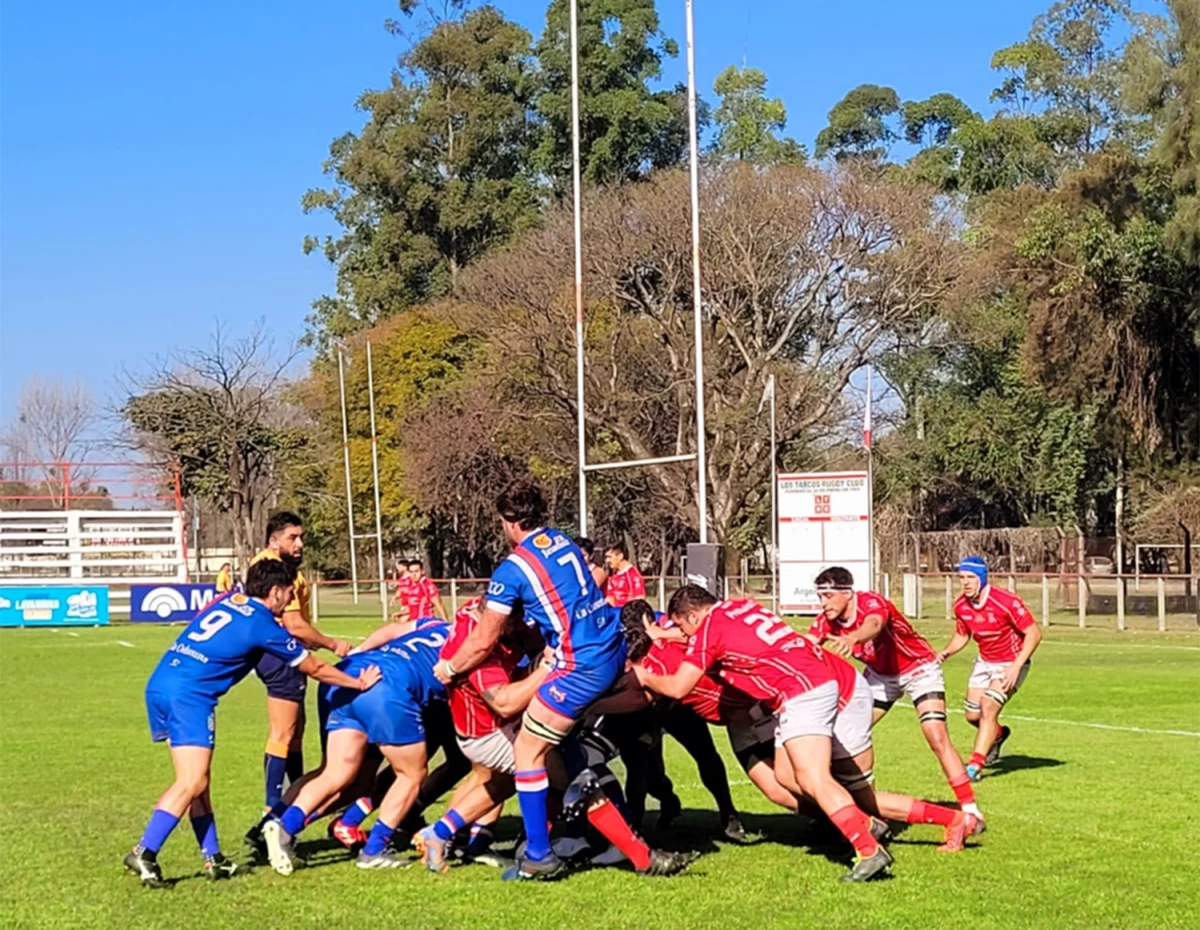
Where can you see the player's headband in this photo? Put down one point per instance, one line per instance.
(830, 586)
(977, 567)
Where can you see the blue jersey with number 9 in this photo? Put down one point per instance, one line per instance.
(548, 575)
(220, 647)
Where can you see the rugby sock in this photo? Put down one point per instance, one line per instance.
(205, 828)
(613, 827)
(481, 839)
(274, 771)
(976, 759)
(924, 812)
(294, 765)
(378, 840)
(357, 812)
(855, 826)
(445, 828)
(157, 830)
(963, 790)
(532, 788)
(293, 820)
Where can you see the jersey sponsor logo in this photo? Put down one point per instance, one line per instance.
(495, 588)
(557, 693)
(542, 540)
(184, 649)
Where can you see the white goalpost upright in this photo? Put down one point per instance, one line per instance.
(700, 454)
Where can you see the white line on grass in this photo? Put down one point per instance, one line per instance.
(1081, 723)
(76, 635)
(1072, 642)
(121, 642)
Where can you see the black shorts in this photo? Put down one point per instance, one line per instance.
(282, 680)
(751, 756)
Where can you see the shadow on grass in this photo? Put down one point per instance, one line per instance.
(1009, 764)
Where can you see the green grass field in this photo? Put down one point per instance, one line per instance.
(1092, 816)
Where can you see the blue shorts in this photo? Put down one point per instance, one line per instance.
(570, 693)
(283, 681)
(389, 713)
(182, 720)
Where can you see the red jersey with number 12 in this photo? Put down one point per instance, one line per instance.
(997, 624)
(897, 649)
(759, 654)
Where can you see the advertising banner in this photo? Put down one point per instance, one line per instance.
(53, 605)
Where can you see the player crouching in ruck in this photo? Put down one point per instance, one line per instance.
(216, 651)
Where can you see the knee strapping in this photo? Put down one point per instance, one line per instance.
(543, 731)
(972, 707)
(996, 695)
(855, 781)
(930, 716)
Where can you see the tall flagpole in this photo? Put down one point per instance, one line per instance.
(870, 488)
(694, 167)
(580, 426)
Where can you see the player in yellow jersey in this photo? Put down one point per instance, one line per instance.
(285, 689)
(225, 579)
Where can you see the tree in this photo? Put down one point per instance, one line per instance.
(626, 129)
(438, 175)
(219, 412)
(807, 275)
(931, 122)
(858, 124)
(49, 430)
(747, 122)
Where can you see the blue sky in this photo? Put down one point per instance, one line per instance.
(153, 155)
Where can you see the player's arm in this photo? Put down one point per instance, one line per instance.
(385, 634)
(510, 699)
(439, 610)
(1032, 637)
(667, 634)
(476, 647)
(629, 697)
(956, 644)
(844, 645)
(677, 685)
(329, 675)
(293, 621)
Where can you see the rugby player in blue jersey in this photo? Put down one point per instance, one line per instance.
(216, 651)
(547, 574)
(389, 716)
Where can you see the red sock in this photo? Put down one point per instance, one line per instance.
(924, 812)
(608, 820)
(856, 827)
(976, 759)
(963, 790)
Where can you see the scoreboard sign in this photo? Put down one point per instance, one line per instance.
(824, 520)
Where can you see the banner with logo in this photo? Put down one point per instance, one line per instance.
(168, 603)
(53, 605)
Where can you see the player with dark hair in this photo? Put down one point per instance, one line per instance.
(546, 574)
(898, 661)
(286, 688)
(596, 563)
(625, 581)
(418, 596)
(390, 717)
(1008, 635)
(213, 653)
(759, 654)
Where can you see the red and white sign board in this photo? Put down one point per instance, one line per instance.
(824, 520)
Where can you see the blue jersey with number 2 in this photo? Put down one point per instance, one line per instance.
(220, 647)
(548, 575)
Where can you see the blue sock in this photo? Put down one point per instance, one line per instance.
(295, 765)
(533, 787)
(481, 839)
(293, 820)
(157, 830)
(276, 810)
(445, 828)
(357, 812)
(378, 840)
(274, 771)
(205, 828)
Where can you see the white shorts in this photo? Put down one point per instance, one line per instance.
(984, 673)
(852, 729)
(916, 682)
(812, 713)
(747, 737)
(494, 751)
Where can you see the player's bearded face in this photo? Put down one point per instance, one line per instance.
(291, 545)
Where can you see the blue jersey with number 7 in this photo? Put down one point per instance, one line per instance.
(220, 647)
(548, 575)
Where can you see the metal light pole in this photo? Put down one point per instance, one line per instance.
(694, 167)
(579, 410)
(346, 462)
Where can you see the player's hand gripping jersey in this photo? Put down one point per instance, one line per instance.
(896, 650)
(548, 575)
(472, 716)
(220, 647)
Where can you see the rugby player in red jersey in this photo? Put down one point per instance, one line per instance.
(1008, 635)
(625, 581)
(418, 595)
(759, 654)
(897, 660)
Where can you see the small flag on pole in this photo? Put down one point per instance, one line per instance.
(867, 418)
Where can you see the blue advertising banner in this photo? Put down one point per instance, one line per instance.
(168, 603)
(53, 605)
